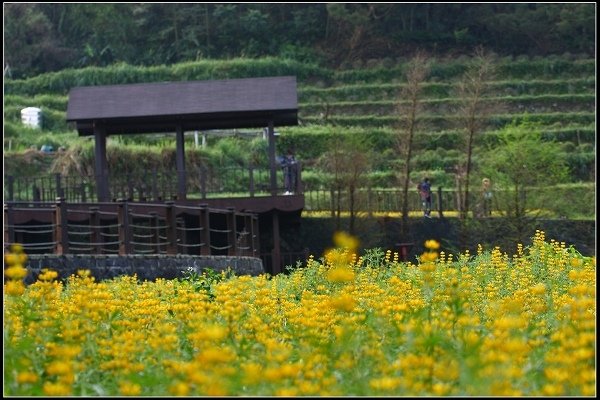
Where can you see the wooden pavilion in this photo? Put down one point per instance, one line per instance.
(178, 107)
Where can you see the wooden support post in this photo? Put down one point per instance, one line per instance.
(251, 179)
(9, 228)
(276, 252)
(171, 228)
(59, 189)
(255, 236)
(61, 233)
(299, 185)
(202, 181)
(272, 161)
(245, 242)
(232, 231)
(10, 183)
(82, 192)
(404, 250)
(96, 236)
(101, 165)
(205, 232)
(36, 193)
(124, 228)
(180, 154)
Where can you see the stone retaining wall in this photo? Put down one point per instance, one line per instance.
(147, 267)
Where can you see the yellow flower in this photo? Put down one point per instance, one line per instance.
(540, 288)
(27, 377)
(429, 256)
(47, 275)
(209, 332)
(340, 274)
(179, 389)
(16, 248)
(15, 272)
(385, 383)
(214, 355)
(56, 389)
(58, 368)
(252, 373)
(345, 241)
(427, 267)
(432, 244)
(130, 389)
(343, 303)
(11, 259)
(83, 273)
(15, 288)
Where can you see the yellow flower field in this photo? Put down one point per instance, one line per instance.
(488, 324)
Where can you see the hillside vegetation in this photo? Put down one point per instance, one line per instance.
(557, 93)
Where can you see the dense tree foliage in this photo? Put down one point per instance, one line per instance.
(43, 37)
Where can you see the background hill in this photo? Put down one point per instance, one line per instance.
(45, 37)
(350, 61)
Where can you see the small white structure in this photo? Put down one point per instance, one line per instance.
(32, 116)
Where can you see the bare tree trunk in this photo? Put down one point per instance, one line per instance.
(351, 192)
(416, 74)
(471, 91)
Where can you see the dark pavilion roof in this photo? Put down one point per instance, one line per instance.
(193, 105)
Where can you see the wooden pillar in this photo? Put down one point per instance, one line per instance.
(299, 185)
(272, 159)
(59, 189)
(171, 223)
(255, 240)
(9, 228)
(10, 184)
(276, 252)
(180, 154)
(251, 179)
(125, 246)
(204, 216)
(101, 165)
(232, 231)
(61, 235)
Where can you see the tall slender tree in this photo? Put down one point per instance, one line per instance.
(473, 111)
(348, 161)
(409, 108)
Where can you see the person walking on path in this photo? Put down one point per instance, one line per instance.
(486, 194)
(290, 172)
(424, 188)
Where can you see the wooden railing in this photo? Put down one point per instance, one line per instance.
(124, 228)
(153, 185)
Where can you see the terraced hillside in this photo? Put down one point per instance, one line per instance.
(364, 102)
(558, 93)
